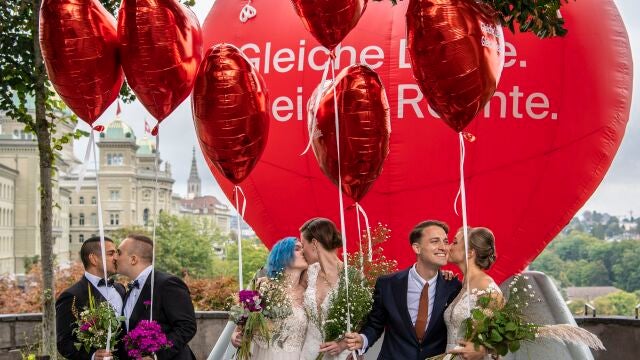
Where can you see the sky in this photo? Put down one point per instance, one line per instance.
(618, 194)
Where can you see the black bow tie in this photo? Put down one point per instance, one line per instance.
(133, 284)
(109, 282)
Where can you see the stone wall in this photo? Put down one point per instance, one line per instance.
(620, 335)
(15, 329)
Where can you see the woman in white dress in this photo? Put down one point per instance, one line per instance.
(481, 255)
(321, 240)
(285, 257)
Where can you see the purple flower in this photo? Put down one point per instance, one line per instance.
(250, 299)
(85, 327)
(146, 339)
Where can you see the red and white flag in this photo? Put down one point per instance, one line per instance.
(147, 129)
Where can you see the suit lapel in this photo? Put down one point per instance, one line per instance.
(97, 295)
(439, 303)
(139, 309)
(400, 294)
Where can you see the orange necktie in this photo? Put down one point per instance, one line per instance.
(423, 312)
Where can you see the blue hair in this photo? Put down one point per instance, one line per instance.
(280, 256)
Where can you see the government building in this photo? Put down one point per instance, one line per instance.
(126, 176)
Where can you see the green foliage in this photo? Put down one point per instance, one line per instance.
(537, 16)
(617, 303)
(576, 306)
(254, 257)
(182, 247)
(93, 323)
(588, 273)
(580, 259)
(501, 329)
(358, 305)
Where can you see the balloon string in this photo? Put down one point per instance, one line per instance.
(316, 104)
(361, 257)
(237, 190)
(92, 143)
(360, 209)
(463, 198)
(340, 201)
(155, 222)
(87, 156)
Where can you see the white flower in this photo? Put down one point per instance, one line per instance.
(530, 287)
(515, 290)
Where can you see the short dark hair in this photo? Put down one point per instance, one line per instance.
(323, 230)
(416, 233)
(91, 246)
(143, 246)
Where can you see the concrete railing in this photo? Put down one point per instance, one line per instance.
(620, 335)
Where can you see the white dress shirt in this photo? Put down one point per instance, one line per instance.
(108, 292)
(134, 294)
(414, 290)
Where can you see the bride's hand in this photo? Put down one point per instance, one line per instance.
(468, 351)
(236, 337)
(333, 348)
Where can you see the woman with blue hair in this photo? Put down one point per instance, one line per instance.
(285, 259)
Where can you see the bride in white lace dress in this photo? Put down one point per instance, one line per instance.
(321, 240)
(288, 335)
(482, 254)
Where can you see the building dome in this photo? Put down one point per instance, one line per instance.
(146, 146)
(118, 130)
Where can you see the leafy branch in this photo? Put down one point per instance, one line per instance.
(541, 17)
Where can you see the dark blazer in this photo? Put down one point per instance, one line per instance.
(390, 315)
(172, 309)
(66, 321)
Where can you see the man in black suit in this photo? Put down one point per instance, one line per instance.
(409, 305)
(172, 306)
(78, 295)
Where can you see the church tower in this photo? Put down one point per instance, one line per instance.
(194, 180)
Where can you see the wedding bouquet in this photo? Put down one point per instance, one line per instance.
(260, 312)
(501, 328)
(358, 304)
(145, 340)
(96, 323)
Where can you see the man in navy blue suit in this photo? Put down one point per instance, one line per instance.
(408, 305)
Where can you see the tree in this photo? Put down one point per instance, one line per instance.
(254, 257)
(587, 273)
(23, 77)
(573, 246)
(618, 303)
(626, 268)
(183, 247)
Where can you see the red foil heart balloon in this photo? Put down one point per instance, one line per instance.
(80, 51)
(230, 112)
(329, 21)
(161, 48)
(457, 56)
(365, 126)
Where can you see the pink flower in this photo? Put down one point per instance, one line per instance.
(146, 339)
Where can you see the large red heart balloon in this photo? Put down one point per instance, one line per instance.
(329, 21)
(80, 51)
(543, 143)
(161, 48)
(364, 118)
(230, 112)
(457, 55)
